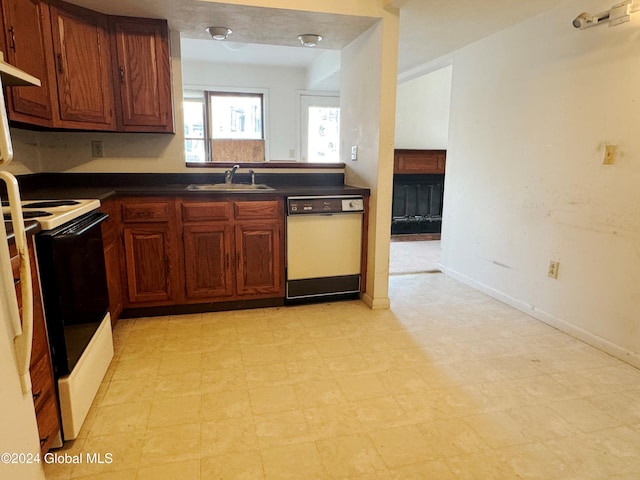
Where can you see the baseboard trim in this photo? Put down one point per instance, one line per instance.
(376, 303)
(585, 336)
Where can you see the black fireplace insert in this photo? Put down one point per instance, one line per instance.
(417, 203)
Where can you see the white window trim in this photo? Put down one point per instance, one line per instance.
(309, 93)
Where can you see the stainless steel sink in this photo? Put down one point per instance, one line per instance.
(229, 187)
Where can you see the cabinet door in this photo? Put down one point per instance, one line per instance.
(258, 256)
(142, 77)
(83, 67)
(207, 254)
(27, 27)
(150, 263)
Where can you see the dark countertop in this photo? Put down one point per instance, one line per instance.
(102, 193)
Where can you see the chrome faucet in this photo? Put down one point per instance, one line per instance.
(253, 177)
(228, 175)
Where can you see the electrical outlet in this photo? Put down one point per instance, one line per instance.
(609, 157)
(96, 148)
(354, 153)
(553, 269)
(292, 153)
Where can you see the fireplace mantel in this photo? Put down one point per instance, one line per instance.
(419, 161)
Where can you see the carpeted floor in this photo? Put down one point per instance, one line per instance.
(414, 257)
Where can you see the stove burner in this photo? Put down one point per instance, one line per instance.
(50, 203)
(30, 214)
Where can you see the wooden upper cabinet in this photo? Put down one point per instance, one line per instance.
(98, 72)
(142, 74)
(27, 27)
(82, 56)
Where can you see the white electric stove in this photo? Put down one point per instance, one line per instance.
(76, 300)
(53, 213)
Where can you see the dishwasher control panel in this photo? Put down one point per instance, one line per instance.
(325, 204)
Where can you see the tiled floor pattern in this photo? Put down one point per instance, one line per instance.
(449, 384)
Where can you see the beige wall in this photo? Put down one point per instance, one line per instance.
(367, 110)
(532, 108)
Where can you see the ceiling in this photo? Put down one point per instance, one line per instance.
(429, 29)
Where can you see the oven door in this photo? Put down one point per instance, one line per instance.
(74, 287)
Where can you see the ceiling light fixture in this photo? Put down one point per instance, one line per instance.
(218, 33)
(309, 39)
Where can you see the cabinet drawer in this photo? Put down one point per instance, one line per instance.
(209, 211)
(257, 210)
(146, 212)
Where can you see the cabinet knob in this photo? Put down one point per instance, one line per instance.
(121, 74)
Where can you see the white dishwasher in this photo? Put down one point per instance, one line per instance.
(324, 246)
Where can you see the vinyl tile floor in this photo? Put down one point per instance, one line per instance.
(414, 256)
(448, 384)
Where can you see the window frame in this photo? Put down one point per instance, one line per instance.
(205, 91)
(205, 125)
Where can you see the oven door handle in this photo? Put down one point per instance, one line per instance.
(86, 224)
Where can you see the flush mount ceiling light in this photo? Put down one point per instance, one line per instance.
(309, 39)
(218, 33)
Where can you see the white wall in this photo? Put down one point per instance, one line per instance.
(422, 111)
(531, 110)
(282, 86)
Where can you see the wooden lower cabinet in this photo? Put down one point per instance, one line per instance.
(207, 254)
(112, 257)
(43, 389)
(258, 270)
(150, 247)
(150, 263)
(191, 250)
(233, 250)
(112, 267)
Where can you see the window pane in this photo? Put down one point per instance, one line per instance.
(194, 150)
(194, 118)
(324, 134)
(236, 116)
